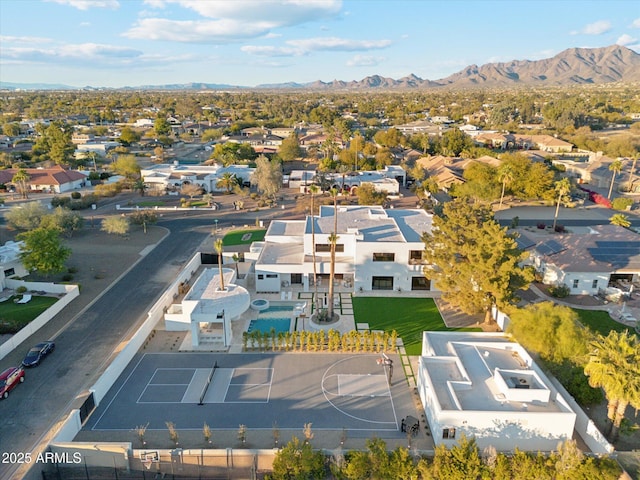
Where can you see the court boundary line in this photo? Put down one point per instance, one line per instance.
(193, 374)
(359, 375)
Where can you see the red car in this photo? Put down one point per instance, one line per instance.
(9, 379)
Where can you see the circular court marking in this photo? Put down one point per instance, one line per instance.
(337, 394)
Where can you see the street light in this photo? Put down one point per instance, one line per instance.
(215, 220)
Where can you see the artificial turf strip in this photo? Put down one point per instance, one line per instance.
(599, 321)
(14, 316)
(237, 237)
(407, 316)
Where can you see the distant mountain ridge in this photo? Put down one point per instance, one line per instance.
(573, 66)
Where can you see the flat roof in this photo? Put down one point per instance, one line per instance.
(288, 228)
(281, 253)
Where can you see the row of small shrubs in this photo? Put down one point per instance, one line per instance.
(317, 341)
(75, 202)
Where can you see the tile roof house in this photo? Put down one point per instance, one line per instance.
(55, 179)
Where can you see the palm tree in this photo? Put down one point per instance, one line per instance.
(616, 168)
(21, 180)
(140, 186)
(227, 181)
(313, 189)
(92, 157)
(333, 240)
(218, 246)
(505, 172)
(632, 172)
(620, 219)
(562, 188)
(614, 366)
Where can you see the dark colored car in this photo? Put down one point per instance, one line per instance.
(37, 353)
(9, 379)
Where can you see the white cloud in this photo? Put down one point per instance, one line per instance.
(87, 4)
(270, 51)
(7, 39)
(364, 61)
(595, 28)
(338, 44)
(626, 40)
(226, 21)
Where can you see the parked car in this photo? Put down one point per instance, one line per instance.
(9, 379)
(37, 353)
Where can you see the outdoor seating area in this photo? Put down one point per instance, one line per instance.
(26, 298)
(410, 425)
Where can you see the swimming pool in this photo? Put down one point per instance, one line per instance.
(276, 316)
(265, 325)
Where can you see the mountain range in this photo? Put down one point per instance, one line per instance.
(573, 66)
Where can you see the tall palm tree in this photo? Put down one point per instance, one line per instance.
(615, 168)
(562, 188)
(21, 180)
(505, 173)
(313, 189)
(632, 172)
(227, 181)
(218, 246)
(333, 240)
(93, 158)
(614, 366)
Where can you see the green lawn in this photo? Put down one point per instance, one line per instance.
(150, 203)
(14, 316)
(599, 321)
(408, 316)
(243, 237)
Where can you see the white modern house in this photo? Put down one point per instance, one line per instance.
(485, 386)
(10, 263)
(207, 310)
(585, 261)
(174, 176)
(377, 249)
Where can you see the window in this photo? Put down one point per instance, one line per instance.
(594, 284)
(260, 276)
(272, 275)
(415, 257)
(576, 282)
(382, 283)
(449, 433)
(326, 247)
(420, 283)
(296, 278)
(9, 271)
(384, 257)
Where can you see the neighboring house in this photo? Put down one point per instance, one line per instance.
(170, 176)
(10, 263)
(377, 249)
(593, 169)
(420, 126)
(54, 180)
(585, 262)
(448, 171)
(483, 385)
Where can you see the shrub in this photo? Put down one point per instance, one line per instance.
(621, 203)
(560, 229)
(76, 195)
(108, 190)
(72, 270)
(21, 289)
(559, 291)
(67, 277)
(60, 202)
(541, 226)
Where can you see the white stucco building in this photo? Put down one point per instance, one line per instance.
(10, 263)
(171, 176)
(377, 249)
(485, 386)
(586, 260)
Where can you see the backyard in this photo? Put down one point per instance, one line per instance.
(407, 316)
(599, 321)
(14, 316)
(243, 237)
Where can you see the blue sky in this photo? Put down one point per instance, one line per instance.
(116, 43)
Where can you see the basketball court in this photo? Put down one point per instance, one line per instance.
(257, 390)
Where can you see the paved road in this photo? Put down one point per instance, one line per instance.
(84, 347)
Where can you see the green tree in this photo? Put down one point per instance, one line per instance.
(92, 157)
(21, 181)
(218, 245)
(143, 218)
(454, 141)
(140, 186)
(505, 174)
(290, 148)
(552, 331)
(461, 461)
(267, 176)
(127, 166)
(614, 365)
(368, 195)
(620, 219)
(228, 181)
(128, 136)
(615, 168)
(116, 225)
(25, 216)
(297, 461)
(65, 220)
(43, 251)
(481, 183)
(161, 126)
(474, 261)
(562, 188)
(55, 143)
(11, 129)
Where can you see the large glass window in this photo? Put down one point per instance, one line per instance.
(326, 247)
(384, 257)
(420, 283)
(382, 283)
(415, 257)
